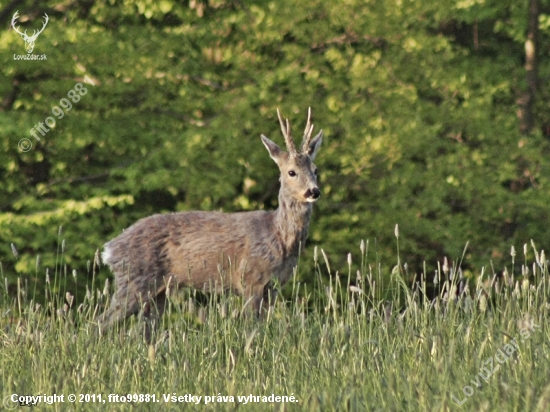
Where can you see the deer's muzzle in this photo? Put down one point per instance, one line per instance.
(312, 195)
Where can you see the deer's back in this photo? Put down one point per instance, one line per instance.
(196, 248)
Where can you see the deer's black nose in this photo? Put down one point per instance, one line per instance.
(313, 193)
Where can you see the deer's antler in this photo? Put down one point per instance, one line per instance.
(285, 128)
(307, 132)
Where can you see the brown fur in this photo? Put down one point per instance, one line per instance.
(213, 251)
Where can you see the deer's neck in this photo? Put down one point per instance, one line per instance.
(292, 223)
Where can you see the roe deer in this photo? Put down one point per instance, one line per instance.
(214, 251)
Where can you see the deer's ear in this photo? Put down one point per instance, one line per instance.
(275, 151)
(314, 145)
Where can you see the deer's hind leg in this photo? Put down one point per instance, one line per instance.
(120, 308)
(260, 297)
(133, 295)
(152, 313)
(264, 299)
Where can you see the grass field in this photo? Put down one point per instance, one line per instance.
(359, 341)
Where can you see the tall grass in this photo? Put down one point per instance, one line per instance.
(359, 340)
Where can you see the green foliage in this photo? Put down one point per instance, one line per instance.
(419, 114)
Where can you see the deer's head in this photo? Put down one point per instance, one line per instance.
(29, 40)
(298, 173)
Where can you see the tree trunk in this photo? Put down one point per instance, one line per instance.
(526, 101)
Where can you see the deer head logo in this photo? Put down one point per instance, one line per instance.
(29, 40)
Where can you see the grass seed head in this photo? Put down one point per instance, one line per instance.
(445, 265)
(70, 298)
(355, 289)
(14, 251)
(151, 354)
(106, 288)
(483, 303)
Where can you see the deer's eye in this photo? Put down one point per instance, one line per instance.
(316, 171)
(291, 173)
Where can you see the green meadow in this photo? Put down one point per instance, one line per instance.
(351, 341)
